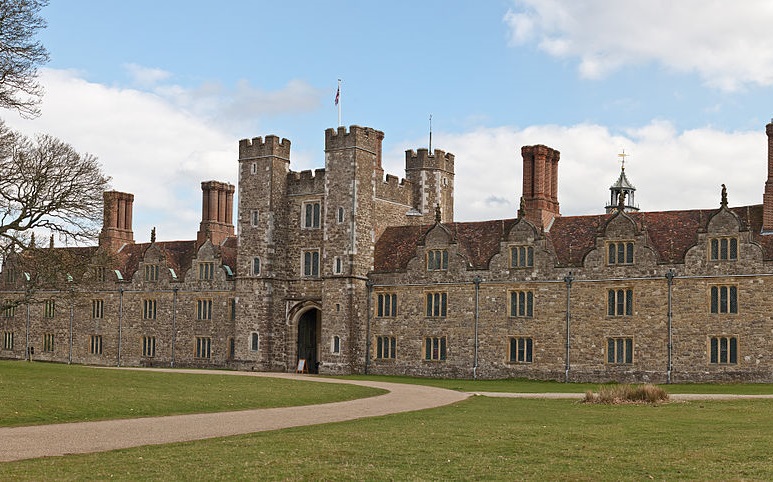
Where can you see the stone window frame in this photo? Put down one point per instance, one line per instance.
(311, 214)
(149, 309)
(386, 347)
(340, 217)
(232, 309)
(10, 309)
(386, 305)
(95, 344)
(203, 347)
(206, 270)
(521, 304)
(520, 349)
(148, 346)
(620, 252)
(255, 266)
(716, 354)
(97, 309)
(49, 309)
(310, 263)
(204, 309)
(521, 256)
(151, 272)
(723, 299)
(99, 273)
(620, 301)
(254, 168)
(254, 218)
(48, 342)
(338, 265)
(717, 252)
(8, 337)
(436, 304)
(437, 259)
(620, 350)
(435, 348)
(335, 345)
(254, 342)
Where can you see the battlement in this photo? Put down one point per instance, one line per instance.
(422, 159)
(395, 190)
(306, 182)
(258, 147)
(365, 137)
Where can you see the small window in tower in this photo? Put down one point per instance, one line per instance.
(254, 217)
(340, 215)
(254, 168)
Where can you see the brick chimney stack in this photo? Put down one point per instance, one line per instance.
(217, 202)
(540, 185)
(117, 224)
(767, 197)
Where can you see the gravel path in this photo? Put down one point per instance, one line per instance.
(17, 443)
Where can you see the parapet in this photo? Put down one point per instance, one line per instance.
(257, 147)
(365, 137)
(395, 190)
(306, 182)
(421, 159)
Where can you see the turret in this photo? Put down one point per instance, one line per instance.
(432, 176)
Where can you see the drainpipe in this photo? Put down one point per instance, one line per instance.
(120, 322)
(670, 275)
(476, 281)
(174, 322)
(568, 280)
(72, 305)
(369, 285)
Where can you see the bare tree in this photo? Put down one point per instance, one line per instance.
(46, 185)
(21, 55)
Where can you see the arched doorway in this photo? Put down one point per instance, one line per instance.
(308, 338)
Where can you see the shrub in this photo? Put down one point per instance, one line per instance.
(614, 394)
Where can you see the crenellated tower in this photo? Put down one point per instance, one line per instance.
(432, 176)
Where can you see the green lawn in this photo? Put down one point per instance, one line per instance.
(42, 393)
(481, 438)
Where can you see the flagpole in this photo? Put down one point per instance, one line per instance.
(338, 102)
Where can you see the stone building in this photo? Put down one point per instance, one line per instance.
(352, 271)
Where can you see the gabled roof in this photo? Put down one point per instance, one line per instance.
(670, 234)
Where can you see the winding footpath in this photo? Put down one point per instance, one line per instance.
(18, 443)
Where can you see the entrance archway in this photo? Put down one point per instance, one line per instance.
(308, 338)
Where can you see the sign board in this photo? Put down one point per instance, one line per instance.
(302, 366)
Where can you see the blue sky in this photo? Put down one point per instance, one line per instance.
(161, 92)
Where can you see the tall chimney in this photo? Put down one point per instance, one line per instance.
(767, 197)
(540, 185)
(217, 200)
(117, 223)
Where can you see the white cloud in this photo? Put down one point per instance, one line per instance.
(146, 76)
(670, 169)
(727, 43)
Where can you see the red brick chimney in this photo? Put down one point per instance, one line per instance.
(540, 184)
(217, 202)
(117, 224)
(767, 197)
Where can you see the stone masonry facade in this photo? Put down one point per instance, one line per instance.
(356, 271)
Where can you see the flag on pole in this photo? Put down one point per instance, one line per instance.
(338, 94)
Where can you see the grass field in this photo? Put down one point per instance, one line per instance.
(42, 393)
(481, 438)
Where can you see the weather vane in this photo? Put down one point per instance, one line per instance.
(622, 156)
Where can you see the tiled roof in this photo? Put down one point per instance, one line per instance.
(671, 234)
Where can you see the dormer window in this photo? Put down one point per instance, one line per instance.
(437, 260)
(151, 272)
(723, 249)
(620, 252)
(206, 271)
(521, 257)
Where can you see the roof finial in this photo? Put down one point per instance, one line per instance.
(437, 213)
(153, 235)
(32, 240)
(522, 209)
(723, 202)
(622, 156)
(51, 241)
(621, 201)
